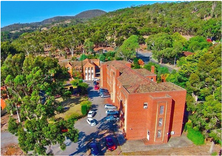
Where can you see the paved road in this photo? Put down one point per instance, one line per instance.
(88, 133)
(146, 57)
(8, 138)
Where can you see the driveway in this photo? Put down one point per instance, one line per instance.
(89, 133)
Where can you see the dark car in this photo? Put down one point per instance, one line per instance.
(110, 144)
(95, 82)
(102, 90)
(94, 148)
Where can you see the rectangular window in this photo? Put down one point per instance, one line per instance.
(145, 105)
(159, 134)
(161, 109)
(160, 121)
(151, 79)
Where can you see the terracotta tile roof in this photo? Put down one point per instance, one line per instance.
(135, 82)
(120, 65)
(158, 87)
(76, 63)
(144, 72)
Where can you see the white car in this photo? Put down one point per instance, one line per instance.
(96, 79)
(109, 106)
(91, 121)
(112, 112)
(91, 114)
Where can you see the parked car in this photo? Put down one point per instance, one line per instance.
(110, 144)
(112, 112)
(95, 83)
(91, 121)
(112, 118)
(63, 129)
(109, 106)
(104, 95)
(91, 114)
(96, 79)
(101, 91)
(94, 149)
(96, 87)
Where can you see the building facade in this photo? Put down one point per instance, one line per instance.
(88, 68)
(149, 110)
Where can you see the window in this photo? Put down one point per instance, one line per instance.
(159, 134)
(160, 121)
(88, 68)
(145, 105)
(91, 68)
(86, 74)
(151, 79)
(161, 109)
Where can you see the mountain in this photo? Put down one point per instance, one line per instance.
(14, 30)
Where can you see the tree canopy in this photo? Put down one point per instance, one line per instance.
(128, 49)
(31, 84)
(200, 74)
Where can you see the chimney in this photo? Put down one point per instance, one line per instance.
(152, 69)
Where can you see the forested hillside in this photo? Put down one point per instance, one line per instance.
(160, 26)
(13, 31)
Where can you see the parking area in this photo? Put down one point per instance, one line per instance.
(88, 133)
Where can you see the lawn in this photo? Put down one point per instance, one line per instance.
(72, 106)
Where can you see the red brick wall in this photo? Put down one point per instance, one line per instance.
(139, 120)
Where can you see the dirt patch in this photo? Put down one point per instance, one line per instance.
(189, 150)
(187, 37)
(12, 149)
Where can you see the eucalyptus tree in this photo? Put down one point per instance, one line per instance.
(128, 49)
(31, 84)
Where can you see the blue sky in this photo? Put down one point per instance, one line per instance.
(36, 11)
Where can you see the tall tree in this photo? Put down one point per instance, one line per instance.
(32, 83)
(88, 45)
(128, 49)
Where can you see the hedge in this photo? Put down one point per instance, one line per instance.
(84, 109)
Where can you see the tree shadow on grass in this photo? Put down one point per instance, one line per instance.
(67, 102)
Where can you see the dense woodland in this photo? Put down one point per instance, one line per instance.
(124, 30)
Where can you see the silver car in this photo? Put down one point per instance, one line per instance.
(104, 95)
(109, 106)
(91, 121)
(112, 112)
(91, 114)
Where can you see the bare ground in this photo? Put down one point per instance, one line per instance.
(189, 150)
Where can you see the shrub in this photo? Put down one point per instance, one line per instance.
(82, 87)
(84, 109)
(12, 126)
(195, 136)
(74, 58)
(82, 57)
(75, 116)
(87, 103)
(102, 57)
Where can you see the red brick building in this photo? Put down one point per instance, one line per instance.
(88, 67)
(148, 110)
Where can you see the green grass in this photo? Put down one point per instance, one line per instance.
(74, 107)
(195, 136)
